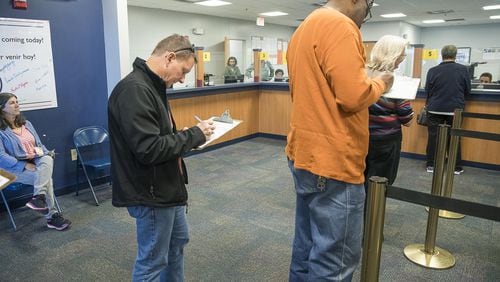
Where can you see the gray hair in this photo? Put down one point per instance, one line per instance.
(175, 43)
(449, 52)
(386, 52)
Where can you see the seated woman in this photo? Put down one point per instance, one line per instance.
(278, 75)
(485, 77)
(23, 154)
(232, 72)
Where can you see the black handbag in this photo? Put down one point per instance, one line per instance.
(422, 117)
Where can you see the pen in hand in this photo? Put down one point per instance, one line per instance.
(206, 127)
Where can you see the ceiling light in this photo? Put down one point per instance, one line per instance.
(395, 15)
(273, 14)
(213, 3)
(433, 21)
(492, 7)
(375, 4)
(497, 17)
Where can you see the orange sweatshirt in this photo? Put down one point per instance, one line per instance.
(331, 93)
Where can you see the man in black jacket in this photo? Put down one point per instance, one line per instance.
(446, 85)
(147, 169)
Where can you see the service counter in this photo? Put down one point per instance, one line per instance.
(265, 108)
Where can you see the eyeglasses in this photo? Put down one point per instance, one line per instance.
(369, 5)
(191, 49)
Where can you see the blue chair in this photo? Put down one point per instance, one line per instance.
(92, 147)
(16, 187)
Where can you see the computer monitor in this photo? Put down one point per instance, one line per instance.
(233, 79)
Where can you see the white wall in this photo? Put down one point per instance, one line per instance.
(116, 41)
(148, 26)
(373, 31)
(474, 36)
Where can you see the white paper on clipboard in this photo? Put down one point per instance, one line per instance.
(221, 128)
(404, 87)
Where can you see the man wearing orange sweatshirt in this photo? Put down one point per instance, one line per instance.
(328, 141)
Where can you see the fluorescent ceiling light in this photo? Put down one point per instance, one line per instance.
(273, 14)
(213, 3)
(492, 7)
(497, 17)
(433, 21)
(375, 4)
(395, 15)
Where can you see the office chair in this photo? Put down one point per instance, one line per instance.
(92, 147)
(16, 186)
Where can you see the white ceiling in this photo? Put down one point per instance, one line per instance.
(416, 10)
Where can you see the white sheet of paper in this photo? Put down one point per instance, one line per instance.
(221, 128)
(403, 88)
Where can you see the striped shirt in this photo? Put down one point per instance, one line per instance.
(387, 115)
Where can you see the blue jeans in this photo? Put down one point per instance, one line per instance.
(162, 234)
(328, 228)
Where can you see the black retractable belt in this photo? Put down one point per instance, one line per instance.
(444, 203)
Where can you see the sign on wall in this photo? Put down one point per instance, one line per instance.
(26, 65)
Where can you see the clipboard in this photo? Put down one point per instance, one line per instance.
(221, 128)
(403, 88)
(6, 178)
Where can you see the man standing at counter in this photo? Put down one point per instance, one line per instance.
(446, 86)
(328, 141)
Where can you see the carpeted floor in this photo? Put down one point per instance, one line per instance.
(241, 212)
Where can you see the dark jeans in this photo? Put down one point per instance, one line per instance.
(383, 158)
(432, 130)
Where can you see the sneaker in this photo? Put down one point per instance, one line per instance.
(58, 222)
(458, 170)
(430, 169)
(37, 203)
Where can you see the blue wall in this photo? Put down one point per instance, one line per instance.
(77, 35)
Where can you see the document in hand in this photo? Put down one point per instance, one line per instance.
(221, 128)
(403, 88)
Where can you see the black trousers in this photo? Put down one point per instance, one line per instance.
(383, 158)
(432, 130)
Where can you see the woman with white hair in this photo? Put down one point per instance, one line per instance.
(386, 115)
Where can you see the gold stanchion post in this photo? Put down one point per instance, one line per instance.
(450, 168)
(428, 255)
(374, 226)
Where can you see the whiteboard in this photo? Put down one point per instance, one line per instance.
(26, 65)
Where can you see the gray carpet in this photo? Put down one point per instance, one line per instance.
(241, 211)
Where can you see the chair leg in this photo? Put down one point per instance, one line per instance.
(90, 185)
(8, 211)
(77, 178)
(57, 204)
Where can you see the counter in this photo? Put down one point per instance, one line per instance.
(265, 108)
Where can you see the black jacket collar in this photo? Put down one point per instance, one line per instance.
(157, 81)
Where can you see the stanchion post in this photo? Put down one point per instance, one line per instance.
(428, 255)
(450, 168)
(374, 226)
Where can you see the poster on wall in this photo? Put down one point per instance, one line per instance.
(492, 53)
(26, 65)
